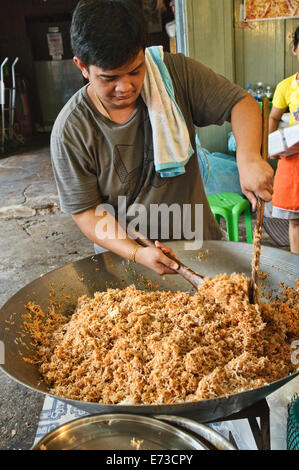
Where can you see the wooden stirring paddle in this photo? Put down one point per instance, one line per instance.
(253, 292)
(191, 276)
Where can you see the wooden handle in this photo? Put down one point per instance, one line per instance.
(265, 136)
(257, 236)
(194, 278)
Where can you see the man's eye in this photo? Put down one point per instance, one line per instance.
(106, 79)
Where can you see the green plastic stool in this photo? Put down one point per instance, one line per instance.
(230, 206)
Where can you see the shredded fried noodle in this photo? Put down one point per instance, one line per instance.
(137, 347)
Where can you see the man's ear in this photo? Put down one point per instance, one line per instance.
(81, 66)
(294, 49)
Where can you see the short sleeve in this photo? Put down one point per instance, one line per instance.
(211, 96)
(74, 171)
(279, 98)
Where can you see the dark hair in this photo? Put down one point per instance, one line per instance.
(296, 37)
(108, 33)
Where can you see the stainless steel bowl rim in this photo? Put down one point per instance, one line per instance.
(167, 423)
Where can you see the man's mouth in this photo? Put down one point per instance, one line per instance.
(124, 97)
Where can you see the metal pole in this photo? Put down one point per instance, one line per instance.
(2, 101)
(13, 99)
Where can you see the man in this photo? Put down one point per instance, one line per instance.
(102, 140)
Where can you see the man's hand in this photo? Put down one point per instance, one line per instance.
(256, 178)
(256, 175)
(165, 249)
(153, 258)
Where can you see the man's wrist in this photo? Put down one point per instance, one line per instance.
(247, 156)
(133, 253)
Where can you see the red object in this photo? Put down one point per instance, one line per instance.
(286, 184)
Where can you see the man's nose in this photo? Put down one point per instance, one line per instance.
(124, 84)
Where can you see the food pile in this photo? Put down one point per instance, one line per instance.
(127, 346)
(259, 9)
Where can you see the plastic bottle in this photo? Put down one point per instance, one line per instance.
(55, 43)
(260, 92)
(268, 92)
(250, 90)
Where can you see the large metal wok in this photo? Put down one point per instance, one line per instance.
(108, 270)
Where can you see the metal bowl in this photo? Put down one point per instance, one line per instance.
(132, 432)
(109, 270)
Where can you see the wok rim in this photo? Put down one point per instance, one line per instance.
(285, 379)
(215, 402)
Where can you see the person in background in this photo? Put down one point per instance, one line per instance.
(103, 144)
(285, 199)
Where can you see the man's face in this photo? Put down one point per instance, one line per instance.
(118, 88)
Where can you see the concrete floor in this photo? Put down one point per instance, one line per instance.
(35, 238)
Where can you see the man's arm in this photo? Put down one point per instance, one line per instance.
(213, 99)
(256, 175)
(105, 231)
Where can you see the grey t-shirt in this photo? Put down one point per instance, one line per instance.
(96, 160)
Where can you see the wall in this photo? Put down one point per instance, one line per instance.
(23, 28)
(263, 53)
(210, 40)
(23, 22)
(244, 55)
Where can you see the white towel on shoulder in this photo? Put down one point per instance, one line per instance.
(171, 140)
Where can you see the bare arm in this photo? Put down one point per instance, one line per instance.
(102, 228)
(256, 175)
(274, 118)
